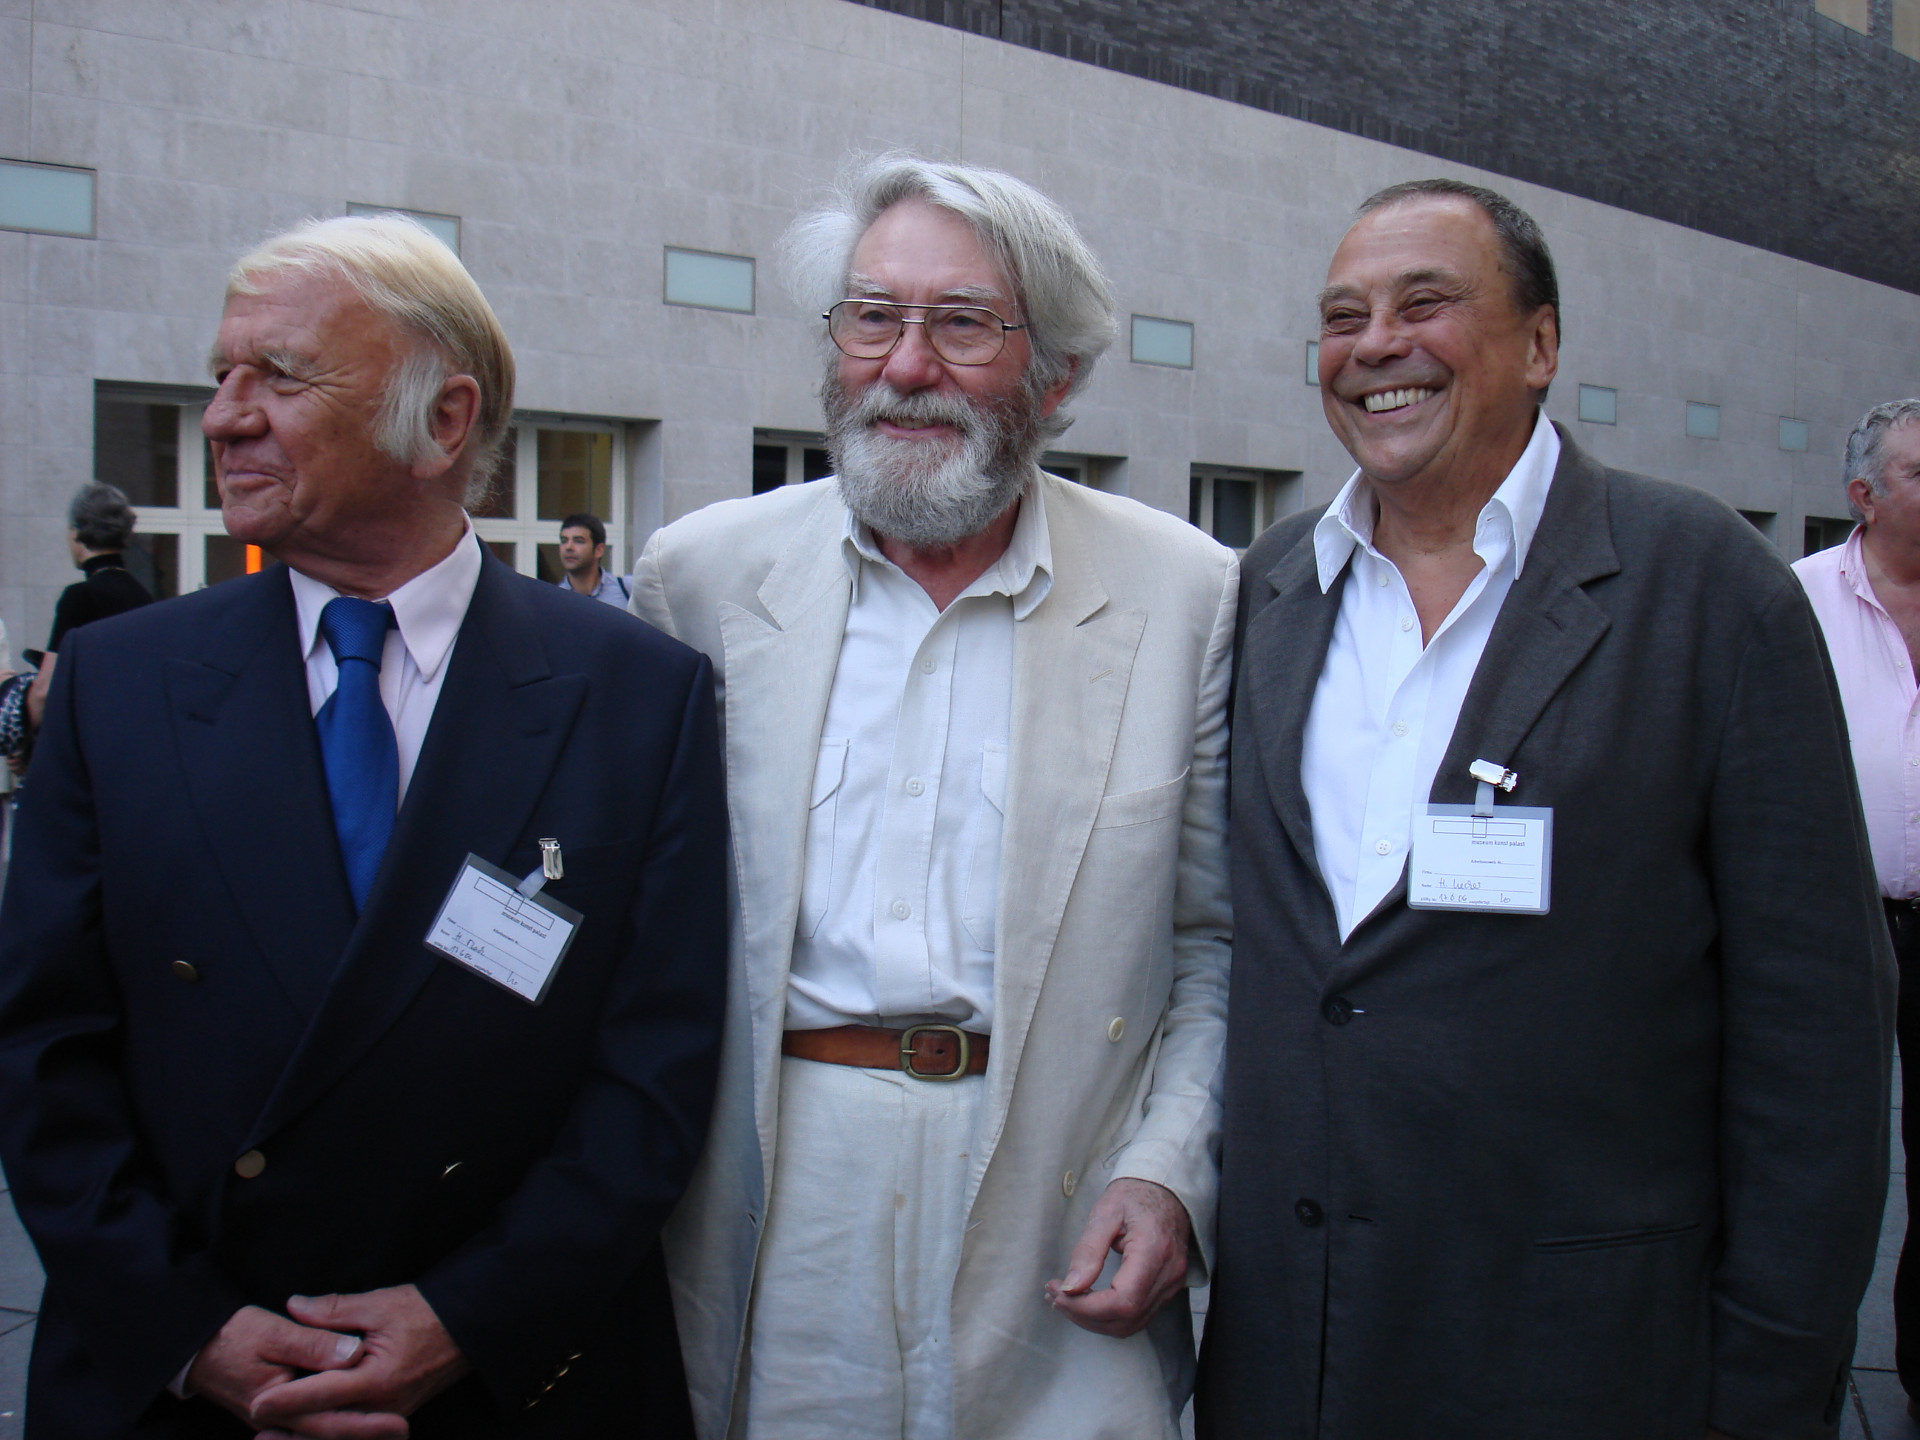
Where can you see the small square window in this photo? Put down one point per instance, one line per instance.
(1703, 421)
(709, 282)
(1599, 404)
(445, 228)
(1162, 342)
(52, 199)
(1765, 521)
(1793, 434)
(1313, 362)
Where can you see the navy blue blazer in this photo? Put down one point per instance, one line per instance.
(183, 980)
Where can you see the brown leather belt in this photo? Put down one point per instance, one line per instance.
(945, 1051)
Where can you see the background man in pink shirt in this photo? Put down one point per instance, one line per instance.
(1867, 595)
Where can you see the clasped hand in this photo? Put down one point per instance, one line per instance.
(343, 1367)
(1149, 1226)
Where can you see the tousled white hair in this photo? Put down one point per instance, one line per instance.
(1057, 280)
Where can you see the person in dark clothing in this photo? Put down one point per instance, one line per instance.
(100, 523)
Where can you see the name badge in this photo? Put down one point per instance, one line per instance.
(505, 930)
(1483, 856)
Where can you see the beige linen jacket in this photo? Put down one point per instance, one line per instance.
(1110, 986)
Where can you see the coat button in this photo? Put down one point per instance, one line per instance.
(1116, 1028)
(447, 1174)
(249, 1165)
(1338, 1010)
(1069, 1182)
(1308, 1213)
(183, 970)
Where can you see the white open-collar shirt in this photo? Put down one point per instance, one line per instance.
(428, 611)
(902, 879)
(1385, 707)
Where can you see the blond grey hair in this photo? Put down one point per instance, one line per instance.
(1056, 278)
(405, 274)
(1865, 460)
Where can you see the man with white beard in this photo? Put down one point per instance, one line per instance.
(963, 1163)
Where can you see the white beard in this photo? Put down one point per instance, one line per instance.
(929, 494)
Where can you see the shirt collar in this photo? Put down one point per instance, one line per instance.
(1023, 573)
(427, 610)
(1853, 566)
(1516, 506)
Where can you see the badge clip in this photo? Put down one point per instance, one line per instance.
(551, 868)
(1490, 776)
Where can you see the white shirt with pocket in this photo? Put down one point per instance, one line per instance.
(898, 903)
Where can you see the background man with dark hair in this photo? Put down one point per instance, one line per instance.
(1558, 1112)
(1867, 595)
(255, 1126)
(583, 544)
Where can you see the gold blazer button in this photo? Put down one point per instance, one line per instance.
(250, 1165)
(183, 970)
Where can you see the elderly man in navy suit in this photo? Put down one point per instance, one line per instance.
(361, 966)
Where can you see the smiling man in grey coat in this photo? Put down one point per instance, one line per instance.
(1557, 1068)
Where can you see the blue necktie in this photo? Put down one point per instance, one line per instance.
(356, 739)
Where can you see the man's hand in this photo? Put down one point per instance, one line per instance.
(406, 1359)
(1148, 1225)
(257, 1350)
(37, 693)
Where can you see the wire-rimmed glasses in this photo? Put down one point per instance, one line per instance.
(959, 334)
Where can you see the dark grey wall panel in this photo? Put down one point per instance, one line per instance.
(1755, 120)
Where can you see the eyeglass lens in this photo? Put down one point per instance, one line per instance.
(963, 334)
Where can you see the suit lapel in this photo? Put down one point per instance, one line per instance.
(1280, 663)
(778, 676)
(244, 728)
(1547, 626)
(498, 728)
(1073, 659)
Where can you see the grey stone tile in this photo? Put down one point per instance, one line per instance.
(1850, 1426)
(20, 1274)
(14, 1346)
(1885, 1404)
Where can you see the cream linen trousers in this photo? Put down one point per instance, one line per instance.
(849, 1331)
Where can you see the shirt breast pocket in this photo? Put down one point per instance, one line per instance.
(823, 810)
(983, 870)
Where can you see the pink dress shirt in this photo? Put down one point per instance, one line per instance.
(1883, 712)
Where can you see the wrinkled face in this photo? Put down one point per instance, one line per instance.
(1895, 514)
(301, 370)
(919, 254)
(1428, 367)
(578, 553)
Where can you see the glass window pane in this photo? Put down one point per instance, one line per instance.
(155, 563)
(769, 468)
(576, 473)
(1703, 421)
(1233, 512)
(711, 282)
(501, 497)
(136, 446)
(211, 496)
(228, 559)
(45, 198)
(1313, 362)
(546, 564)
(815, 464)
(503, 552)
(1162, 342)
(1793, 434)
(1599, 404)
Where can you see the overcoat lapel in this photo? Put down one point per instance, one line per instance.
(1073, 660)
(778, 675)
(244, 728)
(1280, 663)
(1547, 626)
(498, 729)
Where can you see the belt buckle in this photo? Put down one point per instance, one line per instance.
(913, 1032)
